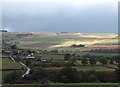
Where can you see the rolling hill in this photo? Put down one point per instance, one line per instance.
(61, 40)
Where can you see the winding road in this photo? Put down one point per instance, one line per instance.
(12, 59)
(25, 66)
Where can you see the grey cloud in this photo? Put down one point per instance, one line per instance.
(37, 17)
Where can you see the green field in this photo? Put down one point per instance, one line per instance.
(96, 68)
(69, 85)
(9, 64)
(54, 56)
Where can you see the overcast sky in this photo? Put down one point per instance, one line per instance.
(91, 16)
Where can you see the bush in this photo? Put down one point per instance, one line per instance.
(11, 78)
(92, 78)
(92, 61)
(84, 61)
(68, 75)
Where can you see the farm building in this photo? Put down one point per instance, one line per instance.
(30, 57)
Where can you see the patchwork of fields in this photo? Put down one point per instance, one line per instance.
(62, 40)
(9, 66)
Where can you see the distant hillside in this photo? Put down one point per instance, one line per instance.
(58, 40)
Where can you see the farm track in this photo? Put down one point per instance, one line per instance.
(25, 66)
(27, 69)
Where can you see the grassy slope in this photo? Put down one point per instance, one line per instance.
(8, 64)
(67, 39)
(59, 40)
(54, 56)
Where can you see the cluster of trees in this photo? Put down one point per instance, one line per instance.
(38, 74)
(104, 59)
(67, 75)
(84, 76)
(93, 59)
(54, 51)
(80, 45)
(105, 50)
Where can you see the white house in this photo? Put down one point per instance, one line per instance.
(30, 57)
